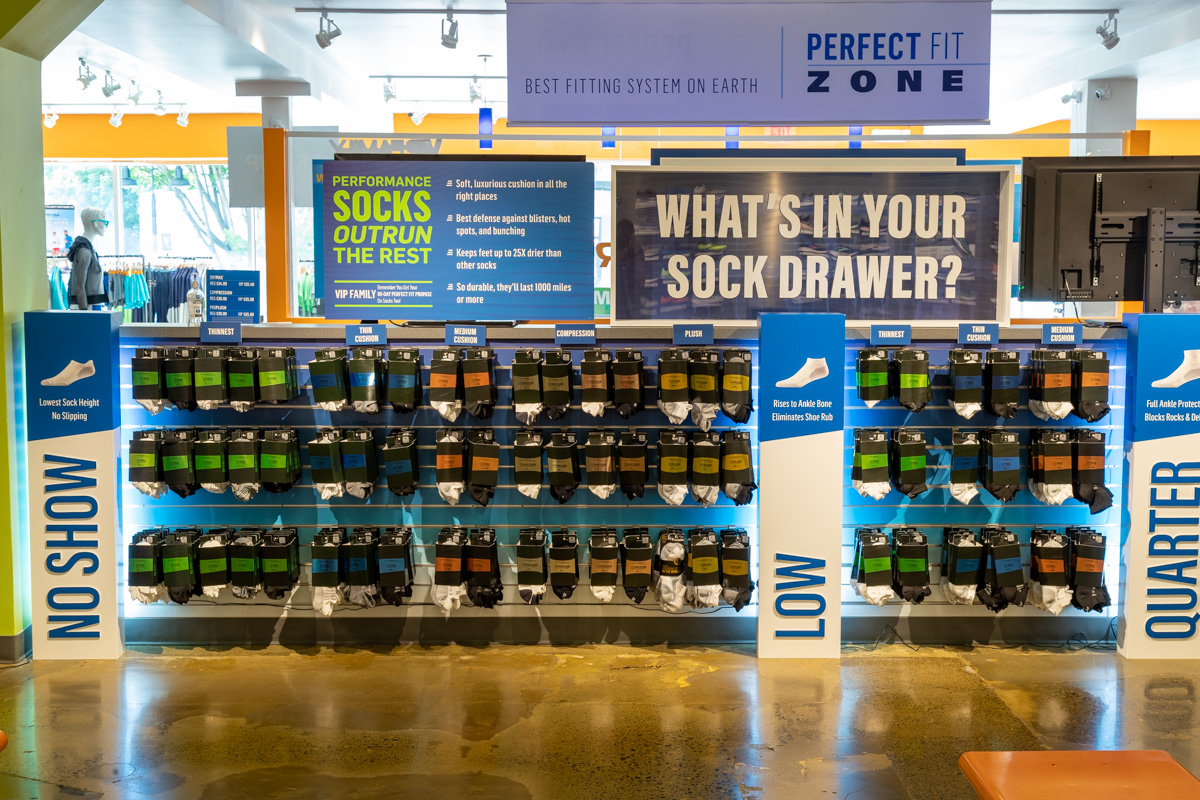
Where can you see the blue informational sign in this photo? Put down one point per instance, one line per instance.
(444, 240)
(366, 335)
(718, 244)
(220, 332)
(232, 295)
(466, 335)
(801, 375)
(692, 334)
(978, 334)
(891, 335)
(1062, 333)
(751, 63)
(1165, 356)
(574, 334)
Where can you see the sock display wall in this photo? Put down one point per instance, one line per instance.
(1026, 506)
(500, 501)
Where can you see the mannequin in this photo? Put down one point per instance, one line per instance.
(86, 288)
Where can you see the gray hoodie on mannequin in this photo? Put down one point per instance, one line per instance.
(86, 287)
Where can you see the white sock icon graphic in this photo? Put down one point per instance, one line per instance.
(1188, 371)
(813, 370)
(73, 371)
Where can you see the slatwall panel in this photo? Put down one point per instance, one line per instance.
(937, 509)
(425, 511)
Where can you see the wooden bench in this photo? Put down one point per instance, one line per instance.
(1090, 774)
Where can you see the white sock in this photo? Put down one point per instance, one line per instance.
(705, 495)
(1038, 409)
(703, 414)
(147, 594)
(363, 596)
(211, 591)
(967, 410)
(360, 490)
(447, 598)
(1055, 494)
(856, 587)
(1039, 492)
(329, 490)
(603, 492)
(1186, 372)
(208, 405)
(676, 412)
(450, 492)
(672, 493)
(530, 490)
(870, 403)
(960, 595)
(814, 369)
(877, 491)
(324, 599)
(333, 405)
(214, 488)
(241, 406)
(1060, 600)
(878, 595)
(1059, 410)
(245, 592)
(155, 489)
(594, 409)
(603, 593)
(153, 406)
(671, 593)
(366, 406)
(244, 491)
(706, 596)
(449, 411)
(527, 412)
(532, 595)
(963, 492)
(73, 371)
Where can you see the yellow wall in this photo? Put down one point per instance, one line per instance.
(143, 137)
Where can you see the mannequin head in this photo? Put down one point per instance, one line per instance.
(95, 222)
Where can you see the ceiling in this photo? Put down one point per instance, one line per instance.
(195, 50)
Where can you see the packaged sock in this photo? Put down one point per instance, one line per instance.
(483, 465)
(1004, 579)
(245, 564)
(404, 379)
(856, 558)
(180, 575)
(325, 463)
(875, 567)
(395, 565)
(704, 376)
(1053, 468)
(674, 396)
(670, 560)
(870, 474)
(400, 463)
(908, 460)
(556, 383)
(359, 556)
(527, 462)
(1089, 384)
(703, 568)
(360, 465)
(1050, 384)
(1049, 582)
(277, 380)
(445, 383)
(637, 561)
(603, 556)
(600, 457)
(144, 563)
(532, 571)
(564, 563)
(479, 382)
(451, 475)
(179, 461)
(527, 385)
(149, 384)
(327, 375)
(632, 453)
(629, 382)
(483, 568)
(180, 383)
(736, 399)
(211, 370)
(279, 550)
(910, 561)
(1087, 573)
(145, 463)
(562, 463)
(365, 370)
(327, 580)
(1001, 382)
(736, 585)
(962, 565)
(964, 465)
(450, 572)
(737, 467)
(210, 459)
(872, 376)
(243, 378)
(1088, 447)
(243, 449)
(595, 376)
(909, 378)
(1000, 463)
(966, 382)
(279, 460)
(672, 466)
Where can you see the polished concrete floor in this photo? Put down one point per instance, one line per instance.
(451, 723)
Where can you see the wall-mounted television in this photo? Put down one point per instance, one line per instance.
(1108, 229)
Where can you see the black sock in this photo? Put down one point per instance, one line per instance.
(636, 593)
(565, 592)
(562, 494)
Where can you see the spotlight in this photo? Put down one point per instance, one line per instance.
(389, 92)
(49, 119)
(116, 117)
(85, 74)
(328, 31)
(159, 108)
(1108, 36)
(475, 90)
(135, 93)
(1074, 97)
(182, 118)
(110, 86)
(450, 31)
(417, 117)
